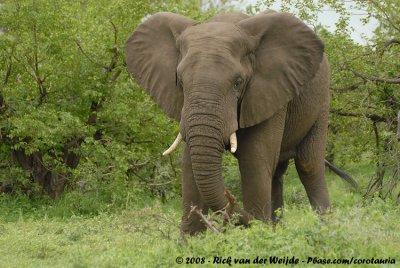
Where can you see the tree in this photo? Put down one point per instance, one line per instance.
(69, 114)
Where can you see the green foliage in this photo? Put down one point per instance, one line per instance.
(135, 233)
(69, 114)
(69, 107)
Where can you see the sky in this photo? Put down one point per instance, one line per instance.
(328, 18)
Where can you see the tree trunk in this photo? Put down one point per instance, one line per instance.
(50, 182)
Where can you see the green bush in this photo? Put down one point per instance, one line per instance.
(70, 116)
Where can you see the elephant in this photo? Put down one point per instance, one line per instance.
(255, 85)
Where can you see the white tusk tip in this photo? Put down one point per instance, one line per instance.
(174, 145)
(233, 142)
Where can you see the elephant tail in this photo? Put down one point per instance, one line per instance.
(343, 175)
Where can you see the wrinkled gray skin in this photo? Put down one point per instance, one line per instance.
(263, 77)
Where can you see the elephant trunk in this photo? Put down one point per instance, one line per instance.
(206, 131)
(206, 154)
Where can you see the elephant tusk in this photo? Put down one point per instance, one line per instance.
(233, 141)
(174, 145)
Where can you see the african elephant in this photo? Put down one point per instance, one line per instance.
(255, 85)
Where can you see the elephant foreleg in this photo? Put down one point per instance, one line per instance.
(258, 155)
(191, 223)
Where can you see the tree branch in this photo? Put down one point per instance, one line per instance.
(377, 79)
(114, 58)
(385, 14)
(116, 75)
(2, 108)
(35, 68)
(8, 72)
(398, 126)
(375, 118)
(115, 32)
(348, 88)
(391, 42)
(33, 64)
(172, 165)
(87, 56)
(5, 82)
(386, 47)
(203, 218)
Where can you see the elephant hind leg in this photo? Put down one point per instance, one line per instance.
(310, 165)
(277, 188)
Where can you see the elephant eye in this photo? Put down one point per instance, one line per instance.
(238, 83)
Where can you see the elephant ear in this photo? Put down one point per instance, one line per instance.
(152, 59)
(287, 55)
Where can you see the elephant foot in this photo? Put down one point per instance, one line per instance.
(243, 217)
(192, 226)
(197, 222)
(275, 219)
(325, 215)
(232, 209)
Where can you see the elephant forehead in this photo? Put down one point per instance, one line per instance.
(216, 34)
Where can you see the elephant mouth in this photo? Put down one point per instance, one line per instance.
(232, 141)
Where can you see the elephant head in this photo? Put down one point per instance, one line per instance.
(218, 76)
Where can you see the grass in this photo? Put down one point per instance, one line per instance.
(85, 231)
